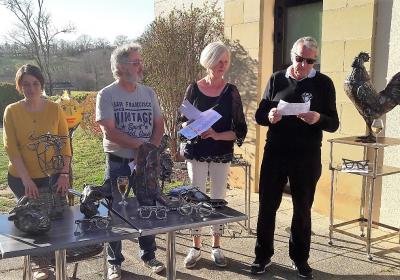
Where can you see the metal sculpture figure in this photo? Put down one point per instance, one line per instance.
(91, 197)
(146, 179)
(48, 151)
(28, 217)
(369, 103)
(147, 173)
(46, 145)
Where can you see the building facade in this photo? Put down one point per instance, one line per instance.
(343, 28)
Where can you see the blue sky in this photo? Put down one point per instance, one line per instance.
(97, 18)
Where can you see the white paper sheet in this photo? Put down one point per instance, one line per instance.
(286, 109)
(201, 121)
(189, 111)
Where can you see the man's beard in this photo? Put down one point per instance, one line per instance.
(134, 79)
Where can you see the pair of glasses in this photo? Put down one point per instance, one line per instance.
(300, 59)
(203, 209)
(96, 222)
(135, 62)
(160, 212)
(359, 164)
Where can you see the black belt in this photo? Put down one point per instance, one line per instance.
(116, 158)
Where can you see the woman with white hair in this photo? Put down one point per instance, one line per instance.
(212, 152)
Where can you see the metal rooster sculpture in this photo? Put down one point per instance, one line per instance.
(369, 103)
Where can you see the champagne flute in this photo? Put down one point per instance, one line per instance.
(377, 127)
(122, 184)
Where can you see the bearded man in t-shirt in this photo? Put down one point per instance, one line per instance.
(129, 116)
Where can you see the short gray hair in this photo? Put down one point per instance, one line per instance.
(308, 42)
(211, 54)
(121, 55)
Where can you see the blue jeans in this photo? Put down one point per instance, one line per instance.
(147, 244)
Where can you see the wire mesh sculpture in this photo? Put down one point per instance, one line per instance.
(29, 218)
(48, 152)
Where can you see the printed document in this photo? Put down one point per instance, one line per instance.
(287, 109)
(198, 121)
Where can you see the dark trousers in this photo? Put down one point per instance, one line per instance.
(18, 187)
(303, 172)
(147, 244)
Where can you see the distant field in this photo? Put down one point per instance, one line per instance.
(8, 67)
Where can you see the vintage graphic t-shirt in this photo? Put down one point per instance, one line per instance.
(133, 113)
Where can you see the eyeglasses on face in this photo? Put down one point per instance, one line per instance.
(360, 164)
(135, 62)
(160, 212)
(300, 59)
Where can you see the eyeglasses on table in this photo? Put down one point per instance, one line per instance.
(359, 164)
(96, 222)
(202, 209)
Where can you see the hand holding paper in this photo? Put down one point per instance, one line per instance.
(287, 109)
(201, 120)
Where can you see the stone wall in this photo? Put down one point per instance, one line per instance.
(347, 29)
(390, 199)
(242, 23)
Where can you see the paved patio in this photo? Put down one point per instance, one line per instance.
(346, 259)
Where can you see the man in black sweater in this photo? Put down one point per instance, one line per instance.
(293, 151)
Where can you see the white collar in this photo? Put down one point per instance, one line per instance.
(288, 73)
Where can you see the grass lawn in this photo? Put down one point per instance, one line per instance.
(88, 166)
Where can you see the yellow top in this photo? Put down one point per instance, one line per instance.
(25, 131)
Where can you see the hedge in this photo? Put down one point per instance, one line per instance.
(8, 95)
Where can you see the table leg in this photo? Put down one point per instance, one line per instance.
(246, 223)
(105, 261)
(331, 208)
(369, 225)
(248, 198)
(27, 273)
(171, 256)
(370, 203)
(364, 189)
(61, 268)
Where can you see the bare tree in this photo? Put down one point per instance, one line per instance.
(120, 40)
(35, 32)
(171, 51)
(84, 43)
(101, 43)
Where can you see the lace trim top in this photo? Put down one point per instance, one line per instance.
(231, 109)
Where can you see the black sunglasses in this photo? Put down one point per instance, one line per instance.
(300, 59)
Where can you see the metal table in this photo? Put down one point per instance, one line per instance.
(368, 188)
(173, 223)
(239, 161)
(62, 236)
